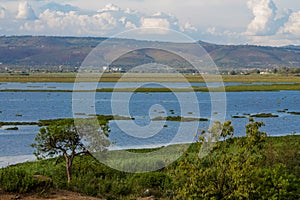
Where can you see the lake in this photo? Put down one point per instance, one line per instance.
(34, 106)
(69, 86)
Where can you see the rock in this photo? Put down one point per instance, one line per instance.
(146, 198)
(147, 192)
(16, 197)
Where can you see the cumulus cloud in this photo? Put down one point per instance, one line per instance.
(2, 12)
(159, 23)
(264, 12)
(268, 28)
(106, 21)
(159, 20)
(109, 7)
(211, 30)
(25, 11)
(188, 27)
(292, 26)
(155, 23)
(59, 7)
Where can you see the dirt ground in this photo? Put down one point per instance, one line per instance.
(53, 195)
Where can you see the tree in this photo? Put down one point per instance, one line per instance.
(228, 171)
(64, 138)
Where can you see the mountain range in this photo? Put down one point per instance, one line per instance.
(49, 51)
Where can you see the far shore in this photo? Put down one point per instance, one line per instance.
(144, 77)
(235, 88)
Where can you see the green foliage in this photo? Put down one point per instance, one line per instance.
(18, 180)
(65, 137)
(283, 150)
(276, 183)
(179, 119)
(156, 180)
(57, 139)
(233, 169)
(249, 167)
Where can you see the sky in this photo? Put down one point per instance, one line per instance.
(256, 22)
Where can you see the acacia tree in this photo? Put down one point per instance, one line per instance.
(63, 138)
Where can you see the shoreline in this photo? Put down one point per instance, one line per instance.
(235, 88)
(29, 158)
(144, 77)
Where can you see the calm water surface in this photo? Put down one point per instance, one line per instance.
(69, 86)
(34, 106)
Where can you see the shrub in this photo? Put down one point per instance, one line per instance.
(17, 180)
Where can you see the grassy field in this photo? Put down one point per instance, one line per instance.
(147, 77)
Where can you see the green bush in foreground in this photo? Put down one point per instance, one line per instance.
(18, 180)
(235, 169)
(250, 167)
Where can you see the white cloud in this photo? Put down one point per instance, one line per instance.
(211, 30)
(68, 19)
(107, 21)
(188, 27)
(264, 12)
(25, 11)
(155, 23)
(59, 7)
(230, 22)
(109, 7)
(293, 25)
(160, 22)
(2, 12)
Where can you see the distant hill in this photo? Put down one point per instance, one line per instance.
(43, 52)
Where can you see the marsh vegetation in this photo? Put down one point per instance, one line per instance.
(253, 166)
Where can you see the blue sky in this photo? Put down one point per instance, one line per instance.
(261, 22)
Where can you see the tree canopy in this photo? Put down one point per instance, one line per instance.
(66, 139)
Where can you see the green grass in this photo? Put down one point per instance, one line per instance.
(235, 88)
(294, 113)
(272, 87)
(91, 177)
(179, 119)
(101, 118)
(263, 115)
(144, 77)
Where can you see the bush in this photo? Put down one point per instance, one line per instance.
(155, 182)
(17, 180)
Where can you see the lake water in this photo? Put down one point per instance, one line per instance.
(69, 86)
(34, 106)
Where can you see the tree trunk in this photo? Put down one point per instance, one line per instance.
(69, 162)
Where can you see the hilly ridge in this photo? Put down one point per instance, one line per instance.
(49, 51)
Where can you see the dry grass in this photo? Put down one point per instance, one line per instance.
(52, 195)
(143, 77)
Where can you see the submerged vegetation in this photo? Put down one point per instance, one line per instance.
(179, 119)
(48, 122)
(252, 167)
(263, 115)
(294, 113)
